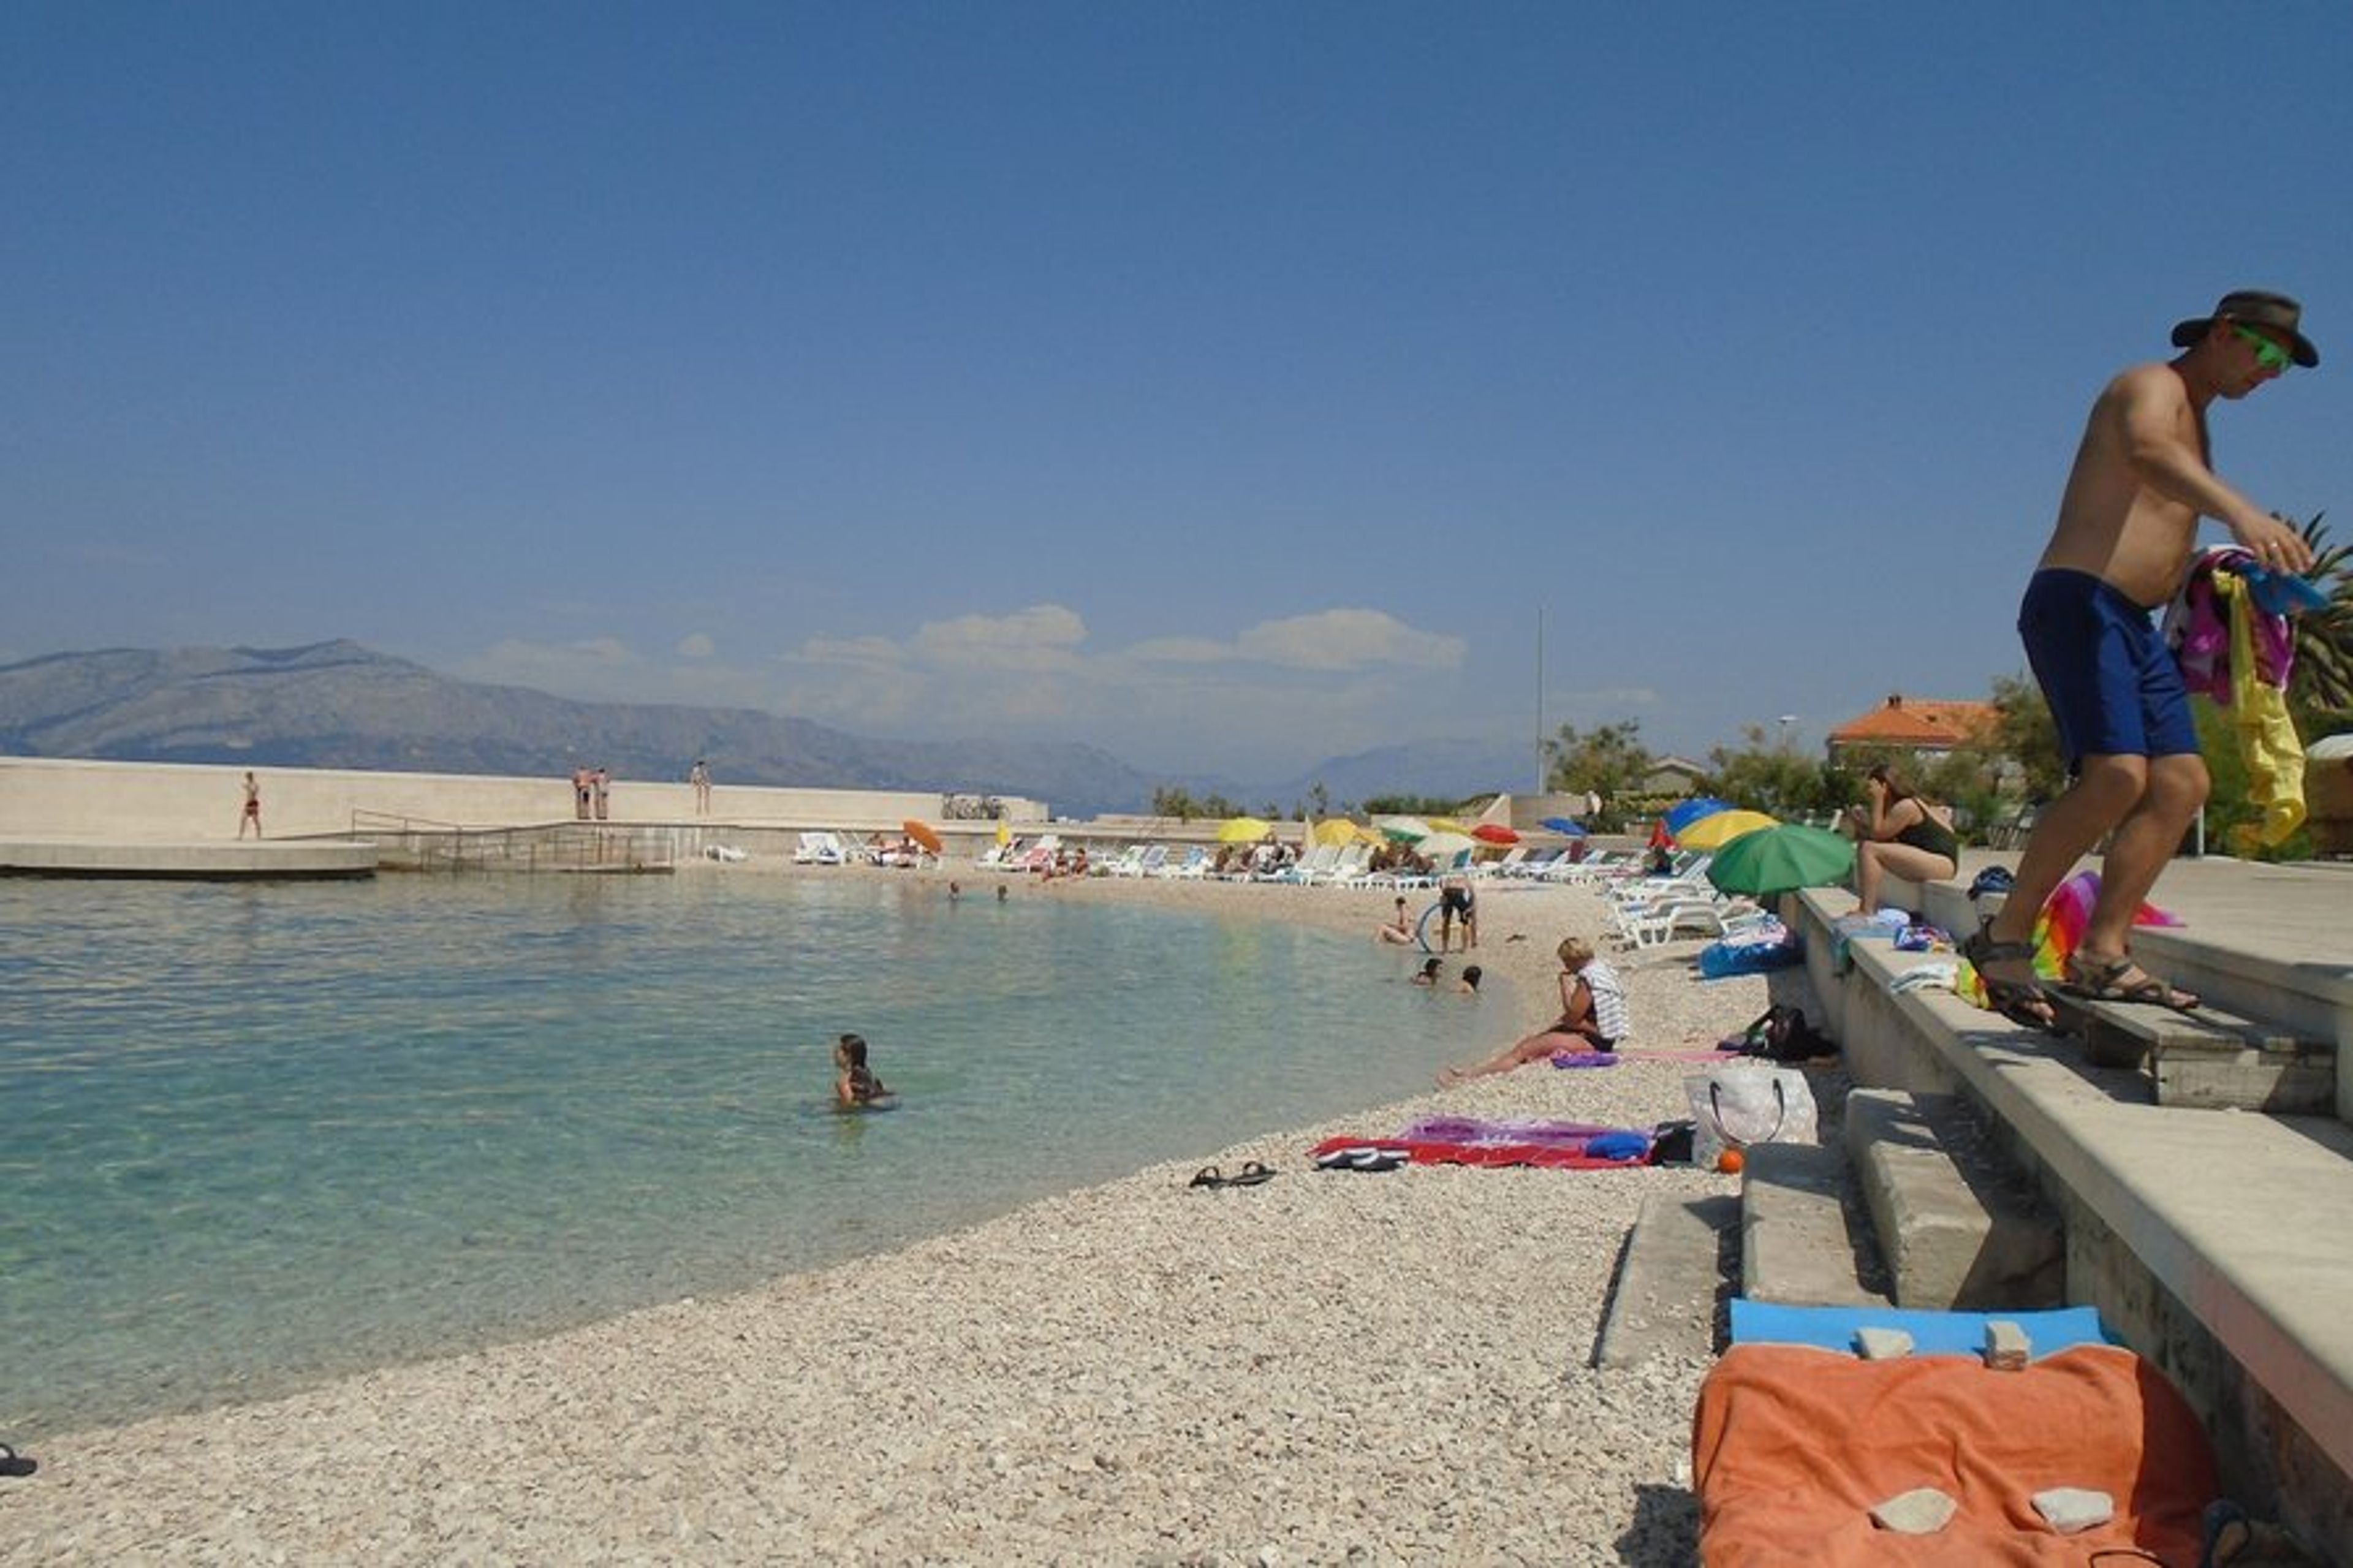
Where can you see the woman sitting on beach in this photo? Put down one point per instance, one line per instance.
(855, 1087)
(1592, 1016)
(1896, 829)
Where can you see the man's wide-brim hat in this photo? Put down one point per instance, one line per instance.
(2255, 308)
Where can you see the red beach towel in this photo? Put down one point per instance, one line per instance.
(1551, 1156)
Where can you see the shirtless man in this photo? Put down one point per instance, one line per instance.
(2128, 528)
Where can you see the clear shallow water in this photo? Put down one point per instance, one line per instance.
(252, 1135)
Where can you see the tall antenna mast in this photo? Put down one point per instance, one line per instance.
(1540, 734)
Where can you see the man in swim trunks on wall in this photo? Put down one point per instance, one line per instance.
(2128, 528)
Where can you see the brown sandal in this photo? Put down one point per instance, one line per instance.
(2022, 1001)
(2119, 979)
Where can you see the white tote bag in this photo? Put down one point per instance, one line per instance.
(1739, 1104)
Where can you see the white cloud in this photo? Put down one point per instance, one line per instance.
(611, 652)
(1349, 639)
(1316, 684)
(555, 666)
(1333, 640)
(1043, 636)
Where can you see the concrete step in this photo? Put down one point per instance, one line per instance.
(1958, 1228)
(1671, 1281)
(2210, 1060)
(1802, 1243)
(2264, 942)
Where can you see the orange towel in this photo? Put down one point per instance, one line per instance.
(1793, 1446)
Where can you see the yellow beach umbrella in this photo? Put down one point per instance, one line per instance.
(1336, 830)
(1446, 825)
(1715, 831)
(1243, 830)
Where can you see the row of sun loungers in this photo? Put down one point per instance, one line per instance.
(1644, 909)
(828, 848)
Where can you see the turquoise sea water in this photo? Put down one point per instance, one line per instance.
(258, 1134)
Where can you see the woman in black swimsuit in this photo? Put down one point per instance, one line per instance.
(1899, 831)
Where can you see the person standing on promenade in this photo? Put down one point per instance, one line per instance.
(2127, 531)
(252, 812)
(580, 782)
(699, 776)
(599, 782)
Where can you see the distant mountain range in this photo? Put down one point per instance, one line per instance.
(339, 705)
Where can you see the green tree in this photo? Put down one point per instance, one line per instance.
(1609, 760)
(1409, 805)
(1767, 777)
(1173, 800)
(2025, 735)
(2322, 685)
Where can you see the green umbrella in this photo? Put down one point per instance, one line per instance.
(1781, 860)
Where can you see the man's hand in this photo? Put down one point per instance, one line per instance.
(2277, 544)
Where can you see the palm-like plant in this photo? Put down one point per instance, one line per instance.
(2324, 639)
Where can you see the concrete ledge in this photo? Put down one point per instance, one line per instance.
(1796, 1245)
(1669, 1282)
(251, 859)
(1960, 1230)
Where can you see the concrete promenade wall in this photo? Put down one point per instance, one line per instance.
(178, 801)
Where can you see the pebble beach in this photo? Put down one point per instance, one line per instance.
(1327, 1367)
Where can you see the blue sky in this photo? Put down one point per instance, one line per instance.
(1227, 385)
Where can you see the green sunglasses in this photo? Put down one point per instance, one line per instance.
(2268, 354)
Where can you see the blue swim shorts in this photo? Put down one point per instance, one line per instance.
(2114, 687)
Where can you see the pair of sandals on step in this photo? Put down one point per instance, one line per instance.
(2090, 978)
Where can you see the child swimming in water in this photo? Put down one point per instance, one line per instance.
(855, 1087)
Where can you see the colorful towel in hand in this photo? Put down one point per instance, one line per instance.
(2230, 634)
(2059, 930)
(2268, 743)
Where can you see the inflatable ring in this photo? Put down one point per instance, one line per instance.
(1421, 928)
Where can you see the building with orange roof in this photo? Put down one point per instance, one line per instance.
(1927, 727)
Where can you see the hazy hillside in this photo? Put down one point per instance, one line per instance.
(1452, 769)
(339, 705)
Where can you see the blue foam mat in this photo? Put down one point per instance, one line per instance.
(1933, 1333)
